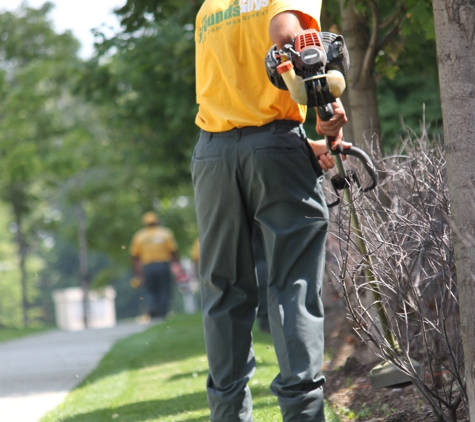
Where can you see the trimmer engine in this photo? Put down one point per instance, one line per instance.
(311, 68)
(310, 55)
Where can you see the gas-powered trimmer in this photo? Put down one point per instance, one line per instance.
(312, 69)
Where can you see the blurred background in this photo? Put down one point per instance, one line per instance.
(97, 107)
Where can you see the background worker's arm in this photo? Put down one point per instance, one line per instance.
(282, 29)
(135, 251)
(136, 266)
(137, 280)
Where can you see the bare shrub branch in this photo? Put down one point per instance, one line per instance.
(408, 271)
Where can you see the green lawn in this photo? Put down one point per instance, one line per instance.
(160, 375)
(12, 333)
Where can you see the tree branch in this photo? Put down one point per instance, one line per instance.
(389, 36)
(393, 17)
(371, 50)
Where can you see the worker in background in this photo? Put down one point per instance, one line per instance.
(153, 249)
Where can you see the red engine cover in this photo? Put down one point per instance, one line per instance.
(307, 38)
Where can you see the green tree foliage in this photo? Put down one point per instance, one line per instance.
(404, 63)
(142, 80)
(35, 64)
(146, 79)
(407, 76)
(136, 14)
(123, 153)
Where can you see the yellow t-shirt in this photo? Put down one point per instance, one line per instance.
(232, 39)
(153, 244)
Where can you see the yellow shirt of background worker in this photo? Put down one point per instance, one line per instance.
(153, 243)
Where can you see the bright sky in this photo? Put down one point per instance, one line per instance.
(80, 16)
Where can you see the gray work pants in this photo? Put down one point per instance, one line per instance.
(261, 274)
(263, 176)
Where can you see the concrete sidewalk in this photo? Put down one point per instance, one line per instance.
(37, 372)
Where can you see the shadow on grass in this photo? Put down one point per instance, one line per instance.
(156, 409)
(173, 340)
(194, 374)
(178, 339)
(148, 410)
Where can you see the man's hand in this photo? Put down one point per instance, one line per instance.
(333, 127)
(325, 159)
(136, 282)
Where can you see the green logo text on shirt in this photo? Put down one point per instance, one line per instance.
(235, 10)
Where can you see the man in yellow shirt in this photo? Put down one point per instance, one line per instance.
(253, 165)
(153, 248)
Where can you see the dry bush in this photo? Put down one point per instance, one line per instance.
(408, 273)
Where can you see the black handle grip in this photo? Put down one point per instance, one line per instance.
(325, 112)
(367, 163)
(361, 155)
(330, 140)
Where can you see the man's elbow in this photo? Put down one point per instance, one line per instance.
(284, 26)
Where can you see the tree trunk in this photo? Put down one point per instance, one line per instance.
(455, 36)
(360, 78)
(348, 128)
(83, 262)
(22, 253)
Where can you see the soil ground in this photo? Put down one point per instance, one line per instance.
(348, 388)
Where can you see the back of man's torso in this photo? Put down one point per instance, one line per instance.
(232, 39)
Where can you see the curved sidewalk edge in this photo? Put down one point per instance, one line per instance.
(38, 372)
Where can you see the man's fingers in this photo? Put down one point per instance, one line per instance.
(326, 161)
(338, 140)
(332, 126)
